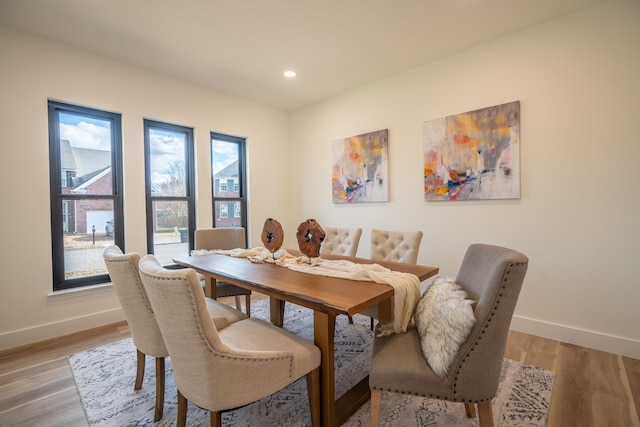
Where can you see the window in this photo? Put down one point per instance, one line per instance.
(170, 190)
(85, 178)
(228, 166)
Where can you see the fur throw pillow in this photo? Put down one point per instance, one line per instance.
(444, 317)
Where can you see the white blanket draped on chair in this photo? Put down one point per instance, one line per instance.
(406, 285)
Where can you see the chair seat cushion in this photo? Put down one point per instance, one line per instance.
(444, 317)
(397, 365)
(222, 314)
(224, 289)
(256, 335)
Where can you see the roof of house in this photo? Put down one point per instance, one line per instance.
(229, 171)
(83, 182)
(67, 160)
(89, 160)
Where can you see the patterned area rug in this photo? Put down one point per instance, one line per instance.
(105, 375)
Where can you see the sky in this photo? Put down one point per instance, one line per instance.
(86, 132)
(224, 154)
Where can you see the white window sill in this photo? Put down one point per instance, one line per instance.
(80, 292)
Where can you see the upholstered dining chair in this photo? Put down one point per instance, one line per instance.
(225, 238)
(219, 370)
(395, 246)
(340, 241)
(123, 270)
(492, 276)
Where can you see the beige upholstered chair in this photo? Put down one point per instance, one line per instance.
(341, 241)
(225, 238)
(123, 270)
(493, 277)
(396, 246)
(224, 369)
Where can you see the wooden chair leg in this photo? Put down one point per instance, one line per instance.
(215, 418)
(247, 300)
(372, 325)
(313, 390)
(238, 303)
(376, 403)
(282, 312)
(350, 319)
(485, 413)
(470, 409)
(140, 371)
(182, 410)
(160, 376)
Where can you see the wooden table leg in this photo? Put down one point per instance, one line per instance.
(324, 326)
(210, 288)
(276, 311)
(385, 310)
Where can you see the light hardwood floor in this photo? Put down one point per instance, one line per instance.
(592, 388)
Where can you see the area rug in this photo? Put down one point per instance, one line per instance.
(105, 375)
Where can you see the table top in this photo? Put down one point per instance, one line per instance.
(321, 293)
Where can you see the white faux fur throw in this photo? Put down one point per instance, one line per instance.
(406, 285)
(444, 317)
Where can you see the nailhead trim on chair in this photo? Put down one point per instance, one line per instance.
(484, 328)
(432, 396)
(146, 302)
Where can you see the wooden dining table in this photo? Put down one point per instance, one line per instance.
(328, 297)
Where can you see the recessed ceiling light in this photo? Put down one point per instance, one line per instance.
(289, 73)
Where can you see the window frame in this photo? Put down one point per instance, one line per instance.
(190, 185)
(241, 182)
(58, 208)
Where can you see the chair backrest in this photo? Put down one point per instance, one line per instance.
(493, 277)
(123, 270)
(341, 241)
(220, 238)
(396, 246)
(180, 308)
(207, 371)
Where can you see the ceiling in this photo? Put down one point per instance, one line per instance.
(242, 47)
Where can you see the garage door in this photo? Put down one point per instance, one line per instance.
(99, 219)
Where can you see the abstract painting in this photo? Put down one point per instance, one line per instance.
(473, 155)
(359, 168)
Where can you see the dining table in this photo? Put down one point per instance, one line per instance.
(327, 296)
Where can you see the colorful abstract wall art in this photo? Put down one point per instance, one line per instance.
(473, 155)
(359, 168)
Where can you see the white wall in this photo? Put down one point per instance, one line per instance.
(33, 70)
(577, 79)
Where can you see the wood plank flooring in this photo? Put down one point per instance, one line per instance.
(592, 388)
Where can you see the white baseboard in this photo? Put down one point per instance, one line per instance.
(596, 340)
(57, 329)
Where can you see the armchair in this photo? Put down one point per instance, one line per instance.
(396, 246)
(123, 270)
(224, 238)
(490, 275)
(224, 369)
